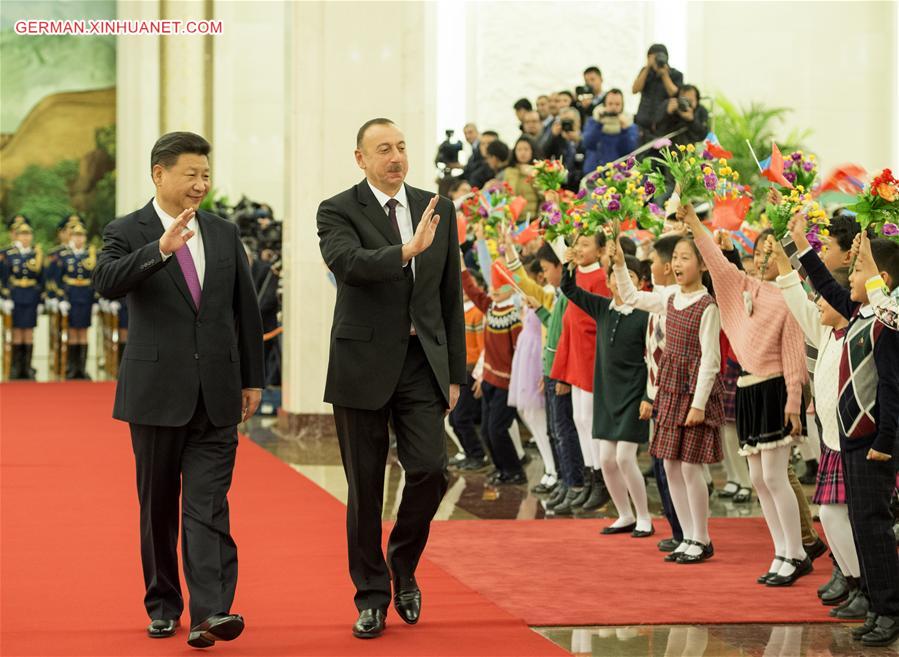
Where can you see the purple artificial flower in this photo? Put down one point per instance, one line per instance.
(711, 181)
(808, 166)
(616, 197)
(483, 212)
(655, 209)
(581, 194)
(621, 166)
(795, 156)
(649, 188)
(618, 177)
(631, 161)
(813, 239)
(546, 206)
(890, 230)
(659, 144)
(614, 205)
(707, 155)
(602, 190)
(790, 176)
(555, 218)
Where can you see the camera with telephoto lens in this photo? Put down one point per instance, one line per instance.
(683, 103)
(567, 125)
(661, 59)
(447, 153)
(583, 90)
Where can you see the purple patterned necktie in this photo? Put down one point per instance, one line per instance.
(189, 269)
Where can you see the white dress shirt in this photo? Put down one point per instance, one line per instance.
(194, 244)
(403, 216)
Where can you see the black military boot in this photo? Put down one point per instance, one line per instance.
(72, 361)
(82, 363)
(26, 371)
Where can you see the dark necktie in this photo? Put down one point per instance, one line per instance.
(391, 212)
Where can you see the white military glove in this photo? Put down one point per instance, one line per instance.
(65, 307)
(40, 309)
(114, 307)
(53, 305)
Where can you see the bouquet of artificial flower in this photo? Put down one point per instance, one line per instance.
(877, 207)
(698, 176)
(801, 169)
(799, 200)
(494, 206)
(548, 175)
(562, 215)
(620, 193)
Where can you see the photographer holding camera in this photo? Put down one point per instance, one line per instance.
(609, 134)
(589, 95)
(683, 112)
(655, 83)
(565, 144)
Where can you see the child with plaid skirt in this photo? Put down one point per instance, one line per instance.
(824, 328)
(868, 410)
(688, 405)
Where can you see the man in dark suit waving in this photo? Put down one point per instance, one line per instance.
(397, 355)
(191, 371)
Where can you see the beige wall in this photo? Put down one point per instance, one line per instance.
(834, 63)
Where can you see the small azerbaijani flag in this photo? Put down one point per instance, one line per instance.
(714, 147)
(773, 168)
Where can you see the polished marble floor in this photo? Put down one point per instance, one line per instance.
(469, 497)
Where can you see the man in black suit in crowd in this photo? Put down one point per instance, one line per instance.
(397, 355)
(191, 371)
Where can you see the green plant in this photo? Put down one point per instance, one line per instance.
(761, 126)
(102, 206)
(42, 194)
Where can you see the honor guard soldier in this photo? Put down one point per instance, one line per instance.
(77, 263)
(21, 287)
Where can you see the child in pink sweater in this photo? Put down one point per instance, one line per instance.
(769, 345)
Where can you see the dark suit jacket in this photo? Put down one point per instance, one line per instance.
(175, 351)
(377, 297)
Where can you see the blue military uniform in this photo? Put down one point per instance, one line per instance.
(76, 269)
(21, 285)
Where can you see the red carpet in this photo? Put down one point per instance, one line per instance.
(70, 572)
(617, 580)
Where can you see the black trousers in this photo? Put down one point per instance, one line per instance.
(496, 420)
(200, 459)
(416, 409)
(869, 488)
(463, 418)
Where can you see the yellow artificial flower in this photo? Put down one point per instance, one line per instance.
(691, 148)
(736, 175)
(698, 177)
(681, 148)
(722, 161)
(707, 170)
(725, 171)
(692, 161)
(800, 188)
(825, 232)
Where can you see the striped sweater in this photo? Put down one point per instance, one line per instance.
(500, 336)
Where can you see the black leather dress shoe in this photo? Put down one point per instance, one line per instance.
(885, 631)
(371, 624)
(708, 551)
(816, 549)
(870, 621)
(668, 544)
(763, 579)
(802, 567)
(407, 601)
(623, 529)
(162, 629)
(220, 627)
(640, 533)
